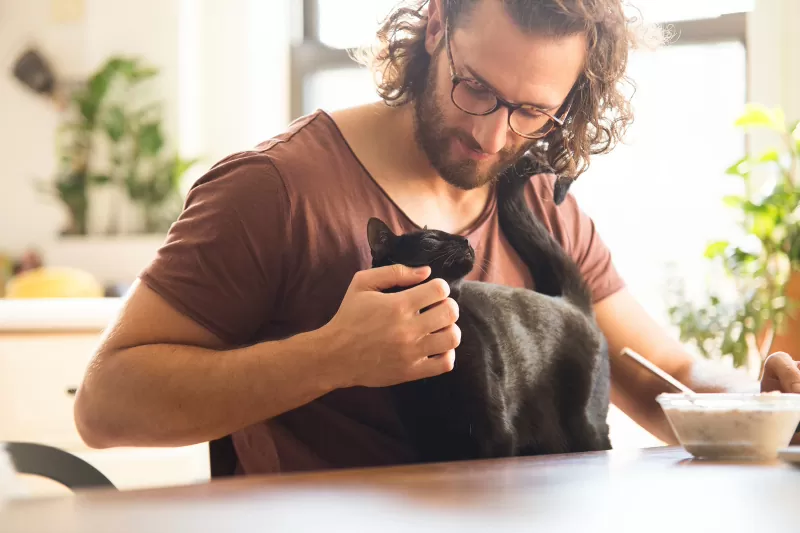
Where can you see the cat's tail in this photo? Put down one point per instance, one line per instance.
(554, 272)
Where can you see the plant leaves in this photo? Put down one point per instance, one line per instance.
(180, 167)
(142, 74)
(740, 168)
(763, 224)
(760, 116)
(771, 156)
(716, 249)
(115, 123)
(100, 179)
(734, 201)
(151, 141)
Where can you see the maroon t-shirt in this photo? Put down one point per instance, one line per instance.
(266, 247)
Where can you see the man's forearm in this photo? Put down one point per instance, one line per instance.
(169, 395)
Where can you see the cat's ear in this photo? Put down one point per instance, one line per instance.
(379, 236)
(425, 228)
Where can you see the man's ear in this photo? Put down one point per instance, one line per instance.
(379, 236)
(434, 31)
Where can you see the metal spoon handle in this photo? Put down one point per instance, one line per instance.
(657, 371)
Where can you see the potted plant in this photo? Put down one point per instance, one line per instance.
(760, 266)
(140, 164)
(108, 139)
(118, 178)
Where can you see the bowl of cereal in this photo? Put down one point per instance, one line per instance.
(732, 426)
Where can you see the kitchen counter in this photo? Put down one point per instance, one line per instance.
(57, 314)
(46, 346)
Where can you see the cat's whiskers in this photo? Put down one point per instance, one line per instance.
(451, 257)
(483, 268)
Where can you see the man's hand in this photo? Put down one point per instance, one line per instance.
(781, 373)
(377, 339)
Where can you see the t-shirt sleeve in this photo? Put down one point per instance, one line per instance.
(224, 260)
(587, 248)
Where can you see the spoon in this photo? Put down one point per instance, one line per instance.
(657, 371)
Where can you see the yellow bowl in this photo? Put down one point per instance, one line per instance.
(54, 282)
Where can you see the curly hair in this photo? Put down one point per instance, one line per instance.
(601, 112)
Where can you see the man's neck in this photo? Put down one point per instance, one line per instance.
(383, 139)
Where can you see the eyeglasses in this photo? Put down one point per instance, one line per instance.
(472, 97)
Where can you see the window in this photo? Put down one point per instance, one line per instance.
(657, 198)
(324, 75)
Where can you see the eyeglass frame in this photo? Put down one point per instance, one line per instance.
(499, 101)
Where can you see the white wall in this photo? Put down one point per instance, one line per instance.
(27, 124)
(224, 82)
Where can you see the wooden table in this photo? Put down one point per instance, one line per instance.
(645, 491)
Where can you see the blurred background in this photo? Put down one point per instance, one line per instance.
(110, 109)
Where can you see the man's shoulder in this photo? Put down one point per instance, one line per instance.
(308, 154)
(540, 194)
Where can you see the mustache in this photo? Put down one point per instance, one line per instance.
(470, 142)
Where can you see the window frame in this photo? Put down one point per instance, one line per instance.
(308, 55)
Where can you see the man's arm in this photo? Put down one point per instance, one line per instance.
(626, 323)
(161, 379)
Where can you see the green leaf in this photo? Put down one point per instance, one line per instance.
(100, 179)
(771, 156)
(716, 249)
(742, 257)
(115, 123)
(150, 139)
(796, 133)
(760, 116)
(180, 167)
(734, 201)
(142, 74)
(763, 224)
(740, 168)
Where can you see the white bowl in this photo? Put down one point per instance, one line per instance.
(732, 425)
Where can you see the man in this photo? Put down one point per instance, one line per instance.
(260, 316)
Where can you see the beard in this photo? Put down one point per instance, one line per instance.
(436, 140)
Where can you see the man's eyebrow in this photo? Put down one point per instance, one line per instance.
(478, 77)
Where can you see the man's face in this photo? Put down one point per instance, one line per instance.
(470, 151)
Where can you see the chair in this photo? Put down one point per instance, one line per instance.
(75, 473)
(222, 457)
(58, 465)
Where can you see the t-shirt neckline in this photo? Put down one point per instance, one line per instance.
(480, 221)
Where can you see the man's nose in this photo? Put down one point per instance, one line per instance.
(491, 131)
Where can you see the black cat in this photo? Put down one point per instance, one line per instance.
(531, 375)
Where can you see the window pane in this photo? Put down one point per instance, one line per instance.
(675, 10)
(657, 199)
(338, 88)
(350, 23)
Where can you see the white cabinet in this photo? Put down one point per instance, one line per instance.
(37, 371)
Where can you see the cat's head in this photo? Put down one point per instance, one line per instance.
(450, 256)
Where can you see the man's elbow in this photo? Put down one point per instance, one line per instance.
(92, 422)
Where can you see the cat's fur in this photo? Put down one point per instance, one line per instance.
(531, 375)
